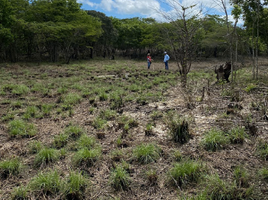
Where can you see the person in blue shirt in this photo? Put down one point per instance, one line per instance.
(166, 58)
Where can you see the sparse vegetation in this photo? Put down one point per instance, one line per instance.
(86, 121)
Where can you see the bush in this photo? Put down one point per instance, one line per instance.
(46, 183)
(214, 140)
(146, 153)
(86, 157)
(178, 128)
(185, 172)
(75, 185)
(120, 179)
(21, 128)
(45, 156)
(10, 167)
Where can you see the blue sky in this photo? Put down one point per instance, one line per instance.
(152, 8)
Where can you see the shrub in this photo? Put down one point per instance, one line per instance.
(214, 140)
(185, 172)
(119, 179)
(45, 156)
(46, 183)
(75, 185)
(10, 167)
(178, 128)
(21, 128)
(35, 146)
(237, 135)
(20, 193)
(60, 140)
(146, 153)
(74, 131)
(86, 157)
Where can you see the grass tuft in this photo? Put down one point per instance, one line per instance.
(46, 183)
(119, 179)
(10, 167)
(45, 156)
(21, 128)
(214, 140)
(146, 153)
(185, 172)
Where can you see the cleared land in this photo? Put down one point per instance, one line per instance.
(115, 130)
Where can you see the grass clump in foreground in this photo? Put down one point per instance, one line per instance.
(262, 150)
(74, 131)
(120, 179)
(178, 127)
(20, 193)
(219, 189)
(185, 172)
(86, 157)
(86, 142)
(146, 153)
(237, 135)
(35, 146)
(75, 186)
(46, 156)
(10, 167)
(214, 140)
(60, 140)
(21, 128)
(48, 183)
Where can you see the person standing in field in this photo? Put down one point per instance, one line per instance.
(166, 58)
(149, 60)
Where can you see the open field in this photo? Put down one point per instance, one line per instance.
(115, 130)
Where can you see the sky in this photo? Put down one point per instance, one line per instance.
(155, 8)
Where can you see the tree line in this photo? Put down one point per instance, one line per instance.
(59, 30)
